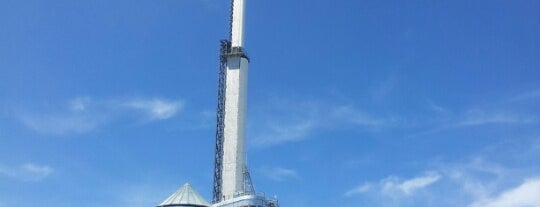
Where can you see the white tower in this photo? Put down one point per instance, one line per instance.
(234, 138)
(232, 183)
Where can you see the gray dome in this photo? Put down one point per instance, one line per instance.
(186, 196)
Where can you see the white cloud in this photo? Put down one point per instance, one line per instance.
(282, 121)
(27, 172)
(286, 121)
(476, 117)
(475, 182)
(59, 124)
(392, 185)
(364, 188)
(84, 114)
(477, 177)
(437, 108)
(75, 119)
(279, 174)
(352, 115)
(79, 104)
(525, 195)
(409, 186)
(280, 133)
(395, 187)
(157, 109)
(385, 88)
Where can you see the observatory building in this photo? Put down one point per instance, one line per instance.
(232, 183)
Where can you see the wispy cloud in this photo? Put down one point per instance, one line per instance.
(279, 173)
(84, 114)
(278, 133)
(385, 88)
(475, 118)
(352, 115)
(437, 108)
(156, 109)
(364, 188)
(394, 186)
(284, 120)
(526, 194)
(529, 95)
(58, 124)
(27, 172)
(79, 104)
(478, 117)
(289, 121)
(477, 177)
(477, 181)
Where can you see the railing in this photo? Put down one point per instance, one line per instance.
(233, 51)
(247, 200)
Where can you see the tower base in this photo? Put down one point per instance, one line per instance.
(248, 200)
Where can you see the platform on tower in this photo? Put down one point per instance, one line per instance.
(247, 200)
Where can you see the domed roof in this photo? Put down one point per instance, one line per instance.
(185, 196)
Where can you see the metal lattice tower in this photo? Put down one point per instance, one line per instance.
(218, 157)
(248, 184)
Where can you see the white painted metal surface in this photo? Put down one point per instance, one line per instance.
(235, 122)
(237, 30)
(232, 192)
(233, 183)
(235, 110)
(248, 200)
(186, 196)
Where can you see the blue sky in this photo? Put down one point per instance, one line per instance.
(351, 103)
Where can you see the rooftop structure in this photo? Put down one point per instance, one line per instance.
(185, 196)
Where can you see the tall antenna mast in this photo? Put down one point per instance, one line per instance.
(229, 178)
(237, 26)
(232, 181)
